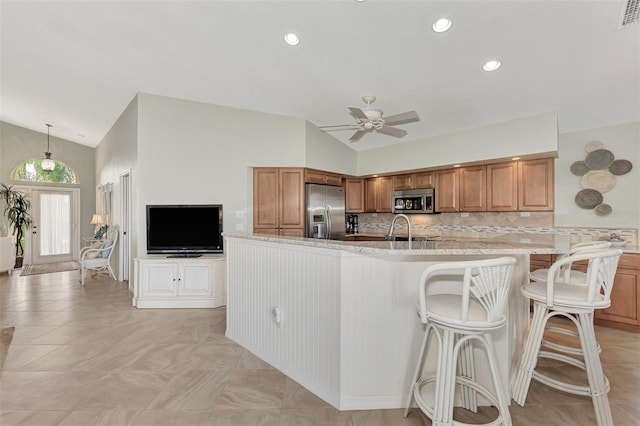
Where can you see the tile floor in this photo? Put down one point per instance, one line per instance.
(85, 356)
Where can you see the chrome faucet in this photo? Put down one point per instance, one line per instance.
(393, 224)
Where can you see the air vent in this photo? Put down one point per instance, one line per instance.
(629, 13)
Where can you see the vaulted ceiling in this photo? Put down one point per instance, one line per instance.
(76, 65)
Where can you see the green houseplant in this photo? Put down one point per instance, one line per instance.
(17, 212)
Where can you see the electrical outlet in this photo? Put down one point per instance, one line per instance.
(464, 214)
(239, 214)
(525, 214)
(276, 316)
(525, 241)
(239, 227)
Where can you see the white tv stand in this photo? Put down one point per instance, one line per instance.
(179, 282)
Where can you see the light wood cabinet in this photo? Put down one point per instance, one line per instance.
(502, 187)
(535, 185)
(413, 181)
(447, 191)
(624, 311)
(473, 187)
(377, 194)
(354, 195)
(278, 201)
(521, 186)
(461, 189)
(321, 177)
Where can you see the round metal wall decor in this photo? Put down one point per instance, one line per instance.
(598, 174)
(579, 168)
(599, 159)
(620, 167)
(603, 210)
(588, 198)
(593, 145)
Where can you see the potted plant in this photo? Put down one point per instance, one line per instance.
(18, 215)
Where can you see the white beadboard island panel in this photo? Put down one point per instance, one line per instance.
(348, 329)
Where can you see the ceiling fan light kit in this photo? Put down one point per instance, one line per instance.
(371, 119)
(441, 25)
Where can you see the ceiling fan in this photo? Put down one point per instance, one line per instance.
(370, 119)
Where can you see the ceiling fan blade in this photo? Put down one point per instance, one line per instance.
(358, 113)
(355, 126)
(357, 136)
(392, 131)
(404, 117)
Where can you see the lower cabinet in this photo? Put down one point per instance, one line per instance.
(624, 311)
(162, 282)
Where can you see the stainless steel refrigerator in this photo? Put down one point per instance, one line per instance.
(325, 211)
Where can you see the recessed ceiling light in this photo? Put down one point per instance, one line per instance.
(491, 65)
(291, 39)
(442, 25)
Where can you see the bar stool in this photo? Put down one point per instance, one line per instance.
(458, 322)
(566, 273)
(577, 302)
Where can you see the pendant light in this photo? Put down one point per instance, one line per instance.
(47, 163)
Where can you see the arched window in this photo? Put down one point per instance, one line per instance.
(31, 171)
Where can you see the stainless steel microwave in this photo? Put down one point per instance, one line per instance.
(414, 201)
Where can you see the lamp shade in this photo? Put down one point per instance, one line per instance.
(96, 219)
(48, 164)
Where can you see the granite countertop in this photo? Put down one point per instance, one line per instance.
(499, 244)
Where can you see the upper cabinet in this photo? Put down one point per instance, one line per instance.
(278, 201)
(520, 186)
(535, 185)
(414, 181)
(377, 195)
(502, 187)
(324, 178)
(354, 195)
(461, 189)
(447, 191)
(473, 189)
(514, 186)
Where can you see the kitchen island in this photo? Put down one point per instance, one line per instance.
(339, 317)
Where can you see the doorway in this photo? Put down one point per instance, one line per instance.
(54, 236)
(125, 224)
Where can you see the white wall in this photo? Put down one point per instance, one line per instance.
(624, 142)
(191, 152)
(117, 153)
(525, 136)
(324, 152)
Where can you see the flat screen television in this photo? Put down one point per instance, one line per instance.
(187, 230)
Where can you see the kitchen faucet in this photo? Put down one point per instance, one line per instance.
(393, 223)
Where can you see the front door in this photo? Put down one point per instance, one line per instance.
(54, 233)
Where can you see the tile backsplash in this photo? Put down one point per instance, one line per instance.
(506, 222)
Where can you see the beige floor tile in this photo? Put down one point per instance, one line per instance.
(192, 390)
(172, 418)
(296, 396)
(253, 417)
(100, 418)
(252, 389)
(31, 418)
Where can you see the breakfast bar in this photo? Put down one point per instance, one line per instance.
(339, 317)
